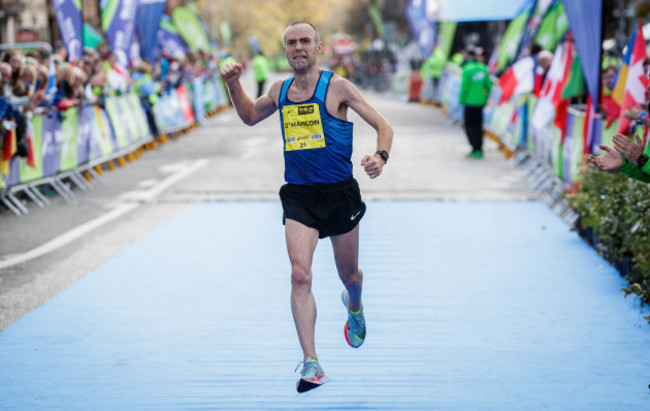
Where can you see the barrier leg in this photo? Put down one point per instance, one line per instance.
(34, 197)
(38, 194)
(16, 202)
(79, 181)
(10, 206)
(61, 189)
(96, 173)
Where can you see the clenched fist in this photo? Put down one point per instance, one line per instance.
(231, 72)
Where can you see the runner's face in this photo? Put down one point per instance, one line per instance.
(301, 48)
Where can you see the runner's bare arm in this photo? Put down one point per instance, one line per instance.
(251, 112)
(348, 94)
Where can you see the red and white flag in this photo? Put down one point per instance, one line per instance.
(636, 83)
(545, 110)
(518, 79)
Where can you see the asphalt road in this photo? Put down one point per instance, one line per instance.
(223, 161)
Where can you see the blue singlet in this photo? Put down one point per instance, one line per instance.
(317, 145)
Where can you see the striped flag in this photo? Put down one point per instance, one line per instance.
(636, 82)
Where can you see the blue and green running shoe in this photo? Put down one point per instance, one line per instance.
(355, 328)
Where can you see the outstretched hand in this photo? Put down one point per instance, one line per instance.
(609, 161)
(629, 149)
(231, 72)
(372, 165)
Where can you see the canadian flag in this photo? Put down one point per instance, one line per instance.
(518, 79)
(546, 107)
(636, 83)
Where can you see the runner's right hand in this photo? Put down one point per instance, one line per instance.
(231, 72)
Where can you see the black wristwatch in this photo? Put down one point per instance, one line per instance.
(384, 155)
(642, 161)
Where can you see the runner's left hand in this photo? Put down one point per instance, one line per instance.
(372, 165)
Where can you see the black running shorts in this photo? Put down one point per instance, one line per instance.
(332, 209)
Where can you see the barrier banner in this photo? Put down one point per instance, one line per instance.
(70, 142)
(102, 142)
(52, 142)
(127, 116)
(168, 111)
(119, 124)
(198, 96)
(184, 102)
(25, 172)
(210, 96)
(142, 126)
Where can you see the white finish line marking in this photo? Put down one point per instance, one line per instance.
(115, 213)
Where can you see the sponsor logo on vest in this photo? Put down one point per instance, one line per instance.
(302, 110)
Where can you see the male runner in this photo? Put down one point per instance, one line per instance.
(321, 198)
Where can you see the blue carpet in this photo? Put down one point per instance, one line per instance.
(468, 306)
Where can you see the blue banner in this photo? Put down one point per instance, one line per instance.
(118, 23)
(148, 21)
(68, 15)
(169, 40)
(585, 24)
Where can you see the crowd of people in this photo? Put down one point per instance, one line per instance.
(35, 81)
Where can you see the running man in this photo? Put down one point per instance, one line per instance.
(320, 198)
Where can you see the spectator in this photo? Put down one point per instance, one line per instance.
(261, 69)
(629, 156)
(474, 92)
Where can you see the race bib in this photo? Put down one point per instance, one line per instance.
(303, 128)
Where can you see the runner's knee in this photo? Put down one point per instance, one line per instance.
(300, 276)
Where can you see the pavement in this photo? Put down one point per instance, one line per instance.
(476, 295)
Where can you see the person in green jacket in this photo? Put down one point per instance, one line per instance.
(431, 71)
(261, 70)
(474, 92)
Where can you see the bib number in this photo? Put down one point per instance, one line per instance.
(303, 128)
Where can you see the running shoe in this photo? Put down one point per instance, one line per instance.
(355, 328)
(312, 375)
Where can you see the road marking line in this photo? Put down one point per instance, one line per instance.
(119, 211)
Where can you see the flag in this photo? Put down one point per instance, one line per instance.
(574, 85)
(562, 104)
(545, 110)
(148, 20)
(189, 27)
(509, 46)
(169, 40)
(422, 25)
(527, 37)
(118, 22)
(636, 82)
(68, 15)
(51, 90)
(619, 83)
(553, 26)
(518, 79)
(585, 29)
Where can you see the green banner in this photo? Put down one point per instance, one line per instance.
(509, 45)
(447, 33)
(190, 29)
(552, 27)
(140, 123)
(118, 122)
(70, 144)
